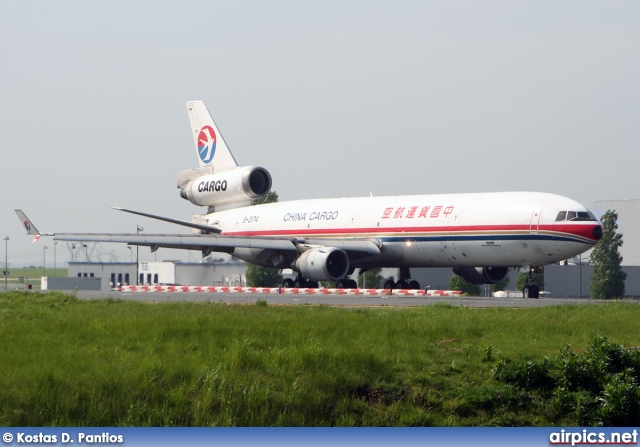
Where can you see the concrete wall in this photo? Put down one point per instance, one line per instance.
(435, 278)
(565, 280)
(559, 280)
(233, 274)
(62, 283)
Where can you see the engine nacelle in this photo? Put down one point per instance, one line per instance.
(323, 264)
(482, 275)
(225, 188)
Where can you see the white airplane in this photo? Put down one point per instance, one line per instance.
(480, 235)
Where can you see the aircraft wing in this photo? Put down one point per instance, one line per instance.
(212, 240)
(220, 242)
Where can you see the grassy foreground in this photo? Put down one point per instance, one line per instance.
(67, 362)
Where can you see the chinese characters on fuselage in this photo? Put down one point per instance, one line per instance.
(416, 212)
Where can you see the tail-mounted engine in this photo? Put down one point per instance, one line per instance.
(323, 264)
(224, 190)
(482, 275)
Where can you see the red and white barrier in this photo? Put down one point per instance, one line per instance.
(292, 291)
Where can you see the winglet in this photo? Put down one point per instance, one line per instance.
(30, 227)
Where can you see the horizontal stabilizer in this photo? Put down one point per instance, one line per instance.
(184, 223)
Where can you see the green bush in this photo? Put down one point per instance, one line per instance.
(599, 387)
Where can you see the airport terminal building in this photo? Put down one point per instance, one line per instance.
(115, 274)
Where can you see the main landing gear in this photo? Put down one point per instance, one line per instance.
(405, 281)
(346, 283)
(299, 283)
(303, 283)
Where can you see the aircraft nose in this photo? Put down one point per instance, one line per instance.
(597, 232)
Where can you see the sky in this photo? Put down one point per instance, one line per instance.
(333, 98)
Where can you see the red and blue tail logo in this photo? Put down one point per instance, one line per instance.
(27, 225)
(206, 144)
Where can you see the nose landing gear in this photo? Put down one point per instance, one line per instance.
(531, 290)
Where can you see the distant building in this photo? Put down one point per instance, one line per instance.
(115, 274)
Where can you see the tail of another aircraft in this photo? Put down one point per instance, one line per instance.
(29, 226)
(211, 147)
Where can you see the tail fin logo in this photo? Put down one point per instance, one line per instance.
(27, 225)
(206, 144)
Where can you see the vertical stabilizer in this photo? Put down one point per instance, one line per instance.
(211, 147)
(30, 227)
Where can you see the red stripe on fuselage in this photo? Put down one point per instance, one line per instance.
(585, 230)
(582, 231)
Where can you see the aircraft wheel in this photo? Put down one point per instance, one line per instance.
(352, 284)
(341, 284)
(299, 283)
(402, 284)
(287, 283)
(535, 292)
(414, 285)
(389, 284)
(312, 284)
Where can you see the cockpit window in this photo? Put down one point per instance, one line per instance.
(575, 216)
(585, 215)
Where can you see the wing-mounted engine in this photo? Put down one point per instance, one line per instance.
(482, 275)
(224, 190)
(323, 264)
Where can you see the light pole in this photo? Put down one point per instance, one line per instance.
(580, 275)
(54, 259)
(44, 260)
(138, 230)
(6, 261)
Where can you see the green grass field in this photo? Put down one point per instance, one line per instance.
(67, 362)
